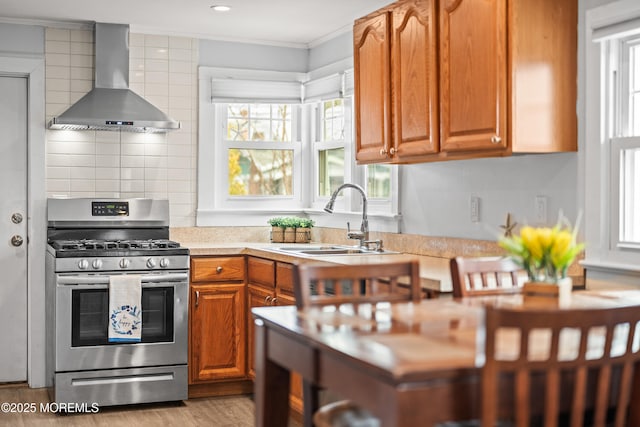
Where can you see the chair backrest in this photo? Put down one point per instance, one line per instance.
(471, 276)
(563, 366)
(326, 284)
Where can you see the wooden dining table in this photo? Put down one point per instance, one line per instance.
(410, 364)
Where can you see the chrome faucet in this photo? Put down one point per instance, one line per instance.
(363, 234)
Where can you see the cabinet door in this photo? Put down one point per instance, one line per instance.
(218, 331)
(257, 297)
(473, 75)
(372, 88)
(415, 79)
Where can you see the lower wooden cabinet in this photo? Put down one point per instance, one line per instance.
(218, 330)
(221, 329)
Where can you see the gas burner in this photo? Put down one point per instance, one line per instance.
(107, 247)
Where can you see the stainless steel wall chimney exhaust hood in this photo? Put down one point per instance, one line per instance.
(111, 105)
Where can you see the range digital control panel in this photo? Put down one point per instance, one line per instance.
(110, 208)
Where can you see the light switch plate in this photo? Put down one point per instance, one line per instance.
(474, 208)
(541, 209)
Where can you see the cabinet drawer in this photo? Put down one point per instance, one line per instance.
(284, 277)
(217, 269)
(261, 272)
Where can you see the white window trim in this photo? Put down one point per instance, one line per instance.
(209, 211)
(601, 252)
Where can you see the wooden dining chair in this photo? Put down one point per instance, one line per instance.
(334, 285)
(324, 284)
(473, 276)
(559, 367)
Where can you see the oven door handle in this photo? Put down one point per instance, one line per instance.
(104, 280)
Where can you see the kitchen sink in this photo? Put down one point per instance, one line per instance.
(331, 250)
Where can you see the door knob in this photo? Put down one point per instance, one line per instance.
(17, 240)
(16, 218)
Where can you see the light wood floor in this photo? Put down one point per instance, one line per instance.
(233, 411)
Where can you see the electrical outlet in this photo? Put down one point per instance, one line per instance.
(541, 209)
(475, 208)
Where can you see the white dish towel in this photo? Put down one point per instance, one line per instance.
(125, 308)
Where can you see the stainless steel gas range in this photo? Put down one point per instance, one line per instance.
(91, 242)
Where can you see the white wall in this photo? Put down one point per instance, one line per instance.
(21, 39)
(214, 53)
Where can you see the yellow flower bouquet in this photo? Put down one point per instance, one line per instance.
(545, 253)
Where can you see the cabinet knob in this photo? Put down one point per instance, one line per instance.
(383, 152)
(218, 269)
(197, 298)
(495, 139)
(274, 301)
(393, 151)
(267, 299)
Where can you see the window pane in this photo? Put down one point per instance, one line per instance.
(259, 122)
(379, 181)
(330, 170)
(630, 197)
(333, 120)
(260, 172)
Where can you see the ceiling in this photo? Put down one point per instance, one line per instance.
(296, 23)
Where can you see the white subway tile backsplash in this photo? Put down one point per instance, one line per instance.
(156, 65)
(83, 86)
(132, 161)
(57, 59)
(136, 52)
(84, 61)
(55, 46)
(152, 52)
(132, 173)
(133, 149)
(58, 97)
(81, 48)
(151, 40)
(122, 164)
(155, 161)
(82, 73)
(108, 185)
(132, 185)
(156, 90)
(108, 149)
(83, 185)
(181, 43)
(106, 161)
(180, 55)
(108, 173)
(136, 39)
(57, 34)
(180, 67)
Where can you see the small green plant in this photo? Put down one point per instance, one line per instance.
(291, 222)
(276, 222)
(306, 223)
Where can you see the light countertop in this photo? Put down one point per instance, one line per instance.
(434, 272)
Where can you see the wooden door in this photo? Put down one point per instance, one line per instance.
(473, 75)
(372, 88)
(258, 296)
(415, 79)
(218, 331)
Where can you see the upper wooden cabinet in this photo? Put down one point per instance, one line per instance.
(454, 79)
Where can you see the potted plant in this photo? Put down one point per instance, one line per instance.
(303, 230)
(289, 224)
(277, 229)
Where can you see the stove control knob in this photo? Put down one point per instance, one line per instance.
(124, 263)
(164, 263)
(83, 264)
(151, 263)
(96, 264)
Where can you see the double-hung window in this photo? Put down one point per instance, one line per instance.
(612, 137)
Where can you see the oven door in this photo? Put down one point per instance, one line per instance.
(82, 314)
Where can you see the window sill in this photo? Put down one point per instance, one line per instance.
(258, 217)
(610, 267)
